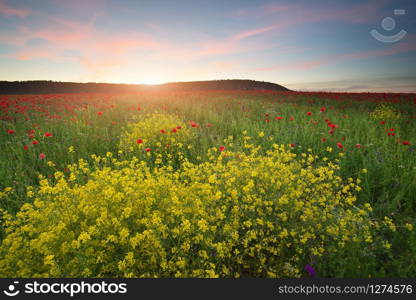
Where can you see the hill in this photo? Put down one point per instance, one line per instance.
(56, 87)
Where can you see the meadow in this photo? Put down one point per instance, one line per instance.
(208, 184)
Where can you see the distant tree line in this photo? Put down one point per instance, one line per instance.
(55, 87)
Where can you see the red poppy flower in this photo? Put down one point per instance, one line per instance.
(391, 129)
(139, 141)
(339, 145)
(31, 131)
(323, 109)
(278, 118)
(174, 130)
(162, 131)
(31, 136)
(42, 156)
(309, 113)
(100, 113)
(292, 145)
(267, 121)
(406, 143)
(383, 122)
(358, 146)
(222, 148)
(331, 131)
(148, 149)
(209, 125)
(25, 147)
(291, 118)
(10, 131)
(35, 142)
(48, 134)
(178, 127)
(323, 139)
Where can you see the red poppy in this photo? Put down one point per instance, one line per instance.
(139, 141)
(291, 118)
(25, 147)
(35, 142)
(148, 149)
(278, 118)
(309, 113)
(48, 134)
(331, 131)
(339, 145)
(391, 129)
(406, 143)
(174, 130)
(113, 123)
(323, 109)
(42, 156)
(209, 125)
(323, 139)
(178, 127)
(31, 131)
(31, 136)
(10, 131)
(383, 122)
(358, 146)
(267, 120)
(292, 145)
(222, 148)
(100, 113)
(162, 131)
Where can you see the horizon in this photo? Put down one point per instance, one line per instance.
(324, 46)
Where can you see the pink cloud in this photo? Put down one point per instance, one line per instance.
(10, 11)
(253, 32)
(33, 54)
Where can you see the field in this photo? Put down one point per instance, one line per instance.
(208, 184)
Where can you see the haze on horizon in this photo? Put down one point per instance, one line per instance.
(303, 45)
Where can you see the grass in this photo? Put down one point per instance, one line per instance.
(92, 124)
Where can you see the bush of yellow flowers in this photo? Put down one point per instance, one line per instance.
(161, 133)
(254, 213)
(384, 112)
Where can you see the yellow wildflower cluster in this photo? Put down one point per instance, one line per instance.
(384, 112)
(239, 214)
(157, 133)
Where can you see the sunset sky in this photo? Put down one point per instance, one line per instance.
(304, 45)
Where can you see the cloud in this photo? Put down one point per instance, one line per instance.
(10, 11)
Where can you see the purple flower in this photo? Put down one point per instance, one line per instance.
(311, 270)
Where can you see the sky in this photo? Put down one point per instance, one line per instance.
(347, 45)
